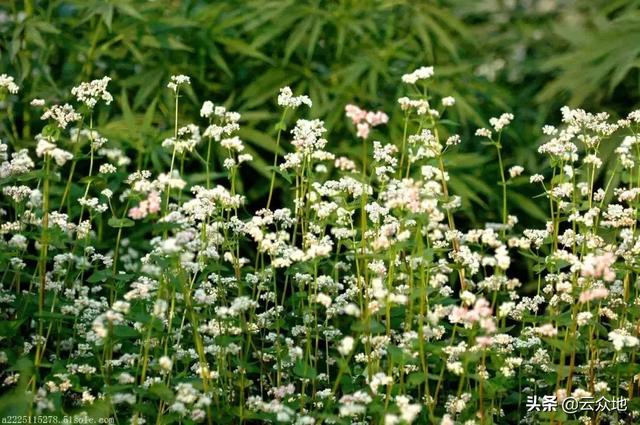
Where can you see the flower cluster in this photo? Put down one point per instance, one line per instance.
(365, 120)
(171, 293)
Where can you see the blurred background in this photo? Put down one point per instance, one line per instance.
(528, 57)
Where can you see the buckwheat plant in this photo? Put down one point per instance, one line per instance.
(145, 296)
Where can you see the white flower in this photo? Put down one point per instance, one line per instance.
(515, 171)
(107, 169)
(8, 83)
(621, 339)
(500, 123)
(177, 81)
(379, 379)
(324, 299)
(62, 115)
(90, 93)
(287, 99)
(422, 73)
(45, 147)
(448, 101)
(346, 345)
(536, 178)
(483, 132)
(165, 363)
(455, 368)
(207, 109)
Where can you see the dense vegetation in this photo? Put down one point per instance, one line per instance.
(435, 254)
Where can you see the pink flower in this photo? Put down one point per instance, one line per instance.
(484, 341)
(355, 114)
(481, 314)
(137, 213)
(364, 120)
(377, 118)
(593, 294)
(599, 266)
(151, 205)
(547, 330)
(363, 130)
(153, 202)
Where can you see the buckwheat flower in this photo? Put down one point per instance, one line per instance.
(207, 109)
(62, 115)
(593, 160)
(499, 123)
(288, 100)
(177, 81)
(455, 368)
(408, 411)
(93, 204)
(173, 181)
(245, 157)
(229, 163)
(87, 398)
(453, 140)
(307, 136)
(391, 419)
(584, 317)
(45, 147)
(234, 144)
(324, 299)
(346, 345)
(121, 307)
(621, 338)
(160, 308)
(376, 118)
(446, 420)
(483, 132)
(448, 101)
(515, 171)
(467, 298)
(484, 341)
(90, 93)
(424, 145)
(363, 130)
(37, 102)
(364, 120)
(344, 164)
(165, 363)
(547, 330)
(351, 310)
(593, 295)
(7, 82)
(536, 178)
(107, 169)
(422, 73)
(549, 130)
(151, 205)
(599, 266)
(107, 193)
(379, 379)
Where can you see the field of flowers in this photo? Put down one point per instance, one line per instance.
(140, 291)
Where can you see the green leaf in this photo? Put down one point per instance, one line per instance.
(8, 328)
(239, 46)
(304, 370)
(122, 331)
(120, 222)
(162, 391)
(415, 379)
(99, 276)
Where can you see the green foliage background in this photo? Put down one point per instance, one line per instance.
(528, 57)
